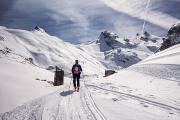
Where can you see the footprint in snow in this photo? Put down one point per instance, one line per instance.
(114, 99)
(144, 105)
(123, 86)
(152, 96)
(171, 113)
(37, 79)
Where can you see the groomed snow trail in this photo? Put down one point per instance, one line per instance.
(64, 104)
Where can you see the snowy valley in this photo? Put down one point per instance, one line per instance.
(129, 51)
(146, 85)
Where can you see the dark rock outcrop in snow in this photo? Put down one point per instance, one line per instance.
(107, 40)
(108, 36)
(5, 51)
(173, 37)
(111, 41)
(117, 50)
(1, 38)
(37, 28)
(145, 36)
(30, 60)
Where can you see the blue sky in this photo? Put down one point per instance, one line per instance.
(83, 20)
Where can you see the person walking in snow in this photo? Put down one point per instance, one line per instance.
(76, 72)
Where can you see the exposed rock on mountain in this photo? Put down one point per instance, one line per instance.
(107, 40)
(173, 37)
(37, 28)
(122, 52)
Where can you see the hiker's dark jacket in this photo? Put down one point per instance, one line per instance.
(79, 69)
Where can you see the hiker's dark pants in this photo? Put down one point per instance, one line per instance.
(76, 77)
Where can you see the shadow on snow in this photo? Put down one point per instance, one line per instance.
(66, 93)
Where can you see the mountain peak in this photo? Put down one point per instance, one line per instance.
(108, 36)
(37, 28)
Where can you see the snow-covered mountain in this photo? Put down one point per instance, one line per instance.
(44, 50)
(109, 52)
(24, 58)
(30, 53)
(147, 90)
(117, 53)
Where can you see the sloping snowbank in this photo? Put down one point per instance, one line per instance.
(148, 90)
(46, 50)
(21, 83)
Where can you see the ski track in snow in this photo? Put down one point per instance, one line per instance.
(68, 105)
(141, 99)
(61, 105)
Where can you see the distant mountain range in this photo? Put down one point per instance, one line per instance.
(108, 52)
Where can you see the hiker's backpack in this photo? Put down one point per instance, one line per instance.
(76, 69)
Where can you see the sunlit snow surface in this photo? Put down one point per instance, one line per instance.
(148, 90)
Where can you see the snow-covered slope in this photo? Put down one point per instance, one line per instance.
(24, 58)
(116, 53)
(22, 82)
(147, 90)
(46, 50)
(108, 52)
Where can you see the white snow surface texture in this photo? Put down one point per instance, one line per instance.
(147, 90)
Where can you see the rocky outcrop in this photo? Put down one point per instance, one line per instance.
(108, 37)
(37, 28)
(145, 36)
(107, 40)
(173, 37)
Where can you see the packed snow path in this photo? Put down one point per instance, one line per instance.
(64, 104)
(92, 103)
